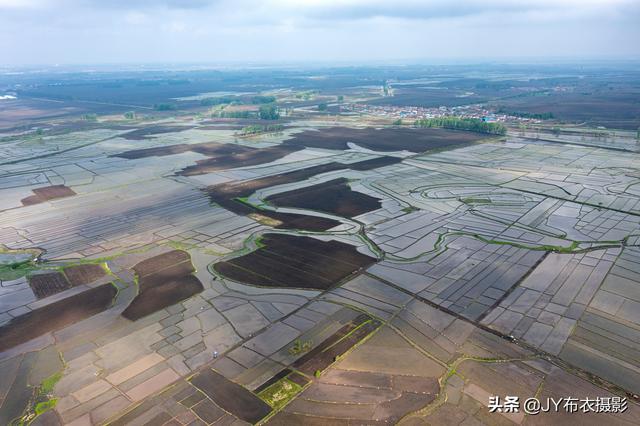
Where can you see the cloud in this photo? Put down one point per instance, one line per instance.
(84, 31)
(436, 9)
(20, 4)
(149, 4)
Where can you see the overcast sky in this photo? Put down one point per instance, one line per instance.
(243, 31)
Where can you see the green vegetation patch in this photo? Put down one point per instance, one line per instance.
(257, 129)
(522, 114)
(47, 385)
(262, 99)
(410, 209)
(309, 94)
(220, 100)
(13, 271)
(164, 107)
(545, 247)
(233, 114)
(42, 400)
(269, 112)
(16, 264)
(474, 200)
(300, 347)
(280, 393)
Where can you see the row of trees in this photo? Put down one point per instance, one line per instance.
(233, 114)
(532, 115)
(222, 100)
(457, 123)
(309, 94)
(255, 129)
(164, 107)
(266, 112)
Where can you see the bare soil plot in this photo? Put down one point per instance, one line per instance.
(299, 221)
(238, 158)
(22, 113)
(44, 285)
(157, 263)
(47, 193)
(333, 196)
(221, 156)
(231, 396)
(208, 148)
(141, 134)
(387, 139)
(163, 280)
(56, 316)
(161, 295)
(84, 274)
(295, 262)
(48, 284)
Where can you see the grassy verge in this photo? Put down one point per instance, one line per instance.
(280, 393)
(43, 401)
(13, 271)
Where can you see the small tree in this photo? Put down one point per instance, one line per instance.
(269, 112)
(322, 107)
(164, 107)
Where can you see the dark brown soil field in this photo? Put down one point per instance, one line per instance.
(238, 158)
(44, 285)
(163, 280)
(47, 193)
(56, 316)
(228, 156)
(300, 221)
(333, 196)
(141, 134)
(222, 156)
(161, 295)
(227, 194)
(83, 274)
(295, 262)
(209, 148)
(387, 139)
(231, 397)
(156, 263)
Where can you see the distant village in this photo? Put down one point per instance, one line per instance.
(477, 111)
